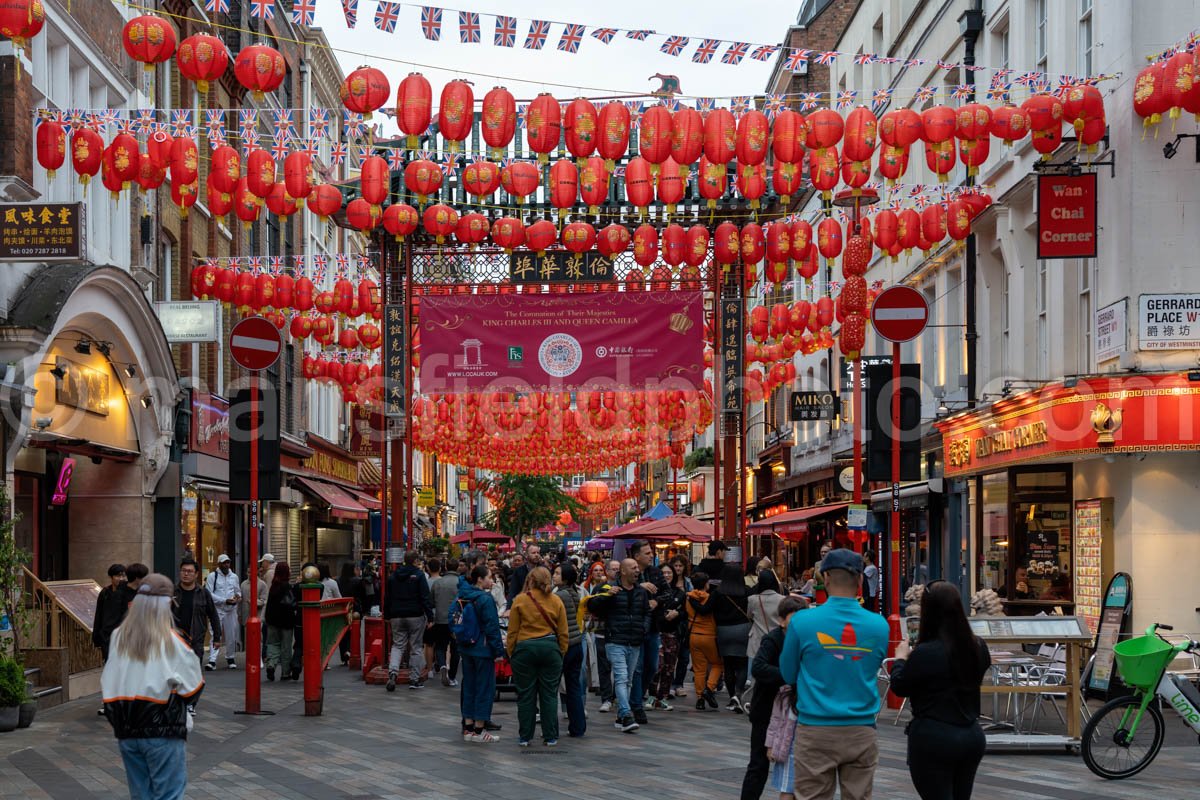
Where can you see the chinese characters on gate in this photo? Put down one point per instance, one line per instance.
(560, 266)
(732, 336)
(395, 360)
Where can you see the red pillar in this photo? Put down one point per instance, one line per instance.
(310, 611)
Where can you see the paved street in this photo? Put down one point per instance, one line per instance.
(370, 744)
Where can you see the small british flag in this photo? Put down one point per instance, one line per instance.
(318, 121)
(125, 124)
(274, 264)
(214, 123)
(396, 160)
(635, 111)
(247, 123)
(916, 62)
(284, 125)
(638, 35)
(304, 12)
(506, 32)
(255, 263)
(962, 91)
(431, 23)
(320, 264)
(863, 59)
(846, 98)
(605, 35)
(999, 91)
(364, 152)
(538, 31)
(1027, 78)
(364, 262)
(337, 155)
(736, 52)
(521, 117)
(571, 37)
(739, 105)
(216, 6)
(827, 57)
(773, 105)
(882, 96)
(706, 50)
(181, 120)
(704, 105)
(352, 124)
(809, 101)
(924, 94)
(797, 60)
(298, 264)
(387, 13)
(308, 147)
(262, 9)
(144, 123)
(451, 164)
(764, 52)
(279, 149)
(343, 263)
(946, 65)
(468, 27)
(916, 189)
(674, 45)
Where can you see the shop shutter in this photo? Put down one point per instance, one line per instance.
(295, 528)
(277, 538)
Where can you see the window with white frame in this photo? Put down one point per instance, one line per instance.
(1085, 37)
(1040, 35)
(1043, 323)
(1087, 280)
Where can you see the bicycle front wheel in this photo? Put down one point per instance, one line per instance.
(1109, 748)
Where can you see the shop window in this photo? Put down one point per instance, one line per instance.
(993, 534)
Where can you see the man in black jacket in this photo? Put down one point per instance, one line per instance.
(110, 609)
(651, 579)
(194, 609)
(409, 608)
(516, 581)
(715, 562)
(625, 609)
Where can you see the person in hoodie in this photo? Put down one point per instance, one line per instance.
(409, 611)
(478, 657)
(702, 641)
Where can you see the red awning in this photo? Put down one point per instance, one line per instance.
(340, 503)
(480, 536)
(792, 523)
(367, 501)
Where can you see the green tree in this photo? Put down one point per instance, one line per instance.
(12, 558)
(523, 503)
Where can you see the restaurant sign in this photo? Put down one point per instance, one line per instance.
(1123, 414)
(210, 425)
(41, 232)
(1066, 217)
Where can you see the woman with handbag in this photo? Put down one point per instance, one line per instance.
(764, 706)
(668, 618)
(730, 603)
(941, 676)
(537, 642)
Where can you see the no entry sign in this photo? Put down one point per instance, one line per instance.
(900, 314)
(254, 343)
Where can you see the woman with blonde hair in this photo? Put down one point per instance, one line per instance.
(150, 685)
(537, 642)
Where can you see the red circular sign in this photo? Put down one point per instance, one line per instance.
(254, 343)
(900, 313)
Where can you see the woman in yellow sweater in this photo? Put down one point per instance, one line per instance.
(537, 641)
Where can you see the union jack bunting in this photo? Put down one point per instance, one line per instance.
(284, 125)
(882, 96)
(739, 105)
(451, 164)
(674, 45)
(350, 12)
(999, 91)
(619, 172)
(144, 122)
(1027, 78)
(571, 37)
(364, 152)
(946, 64)
(214, 124)
(920, 201)
(318, 121)
(1066, 82)
(386, 15)
(736, 52)
(638, 35)
(862, 59)
(672, 105)
(1000, 74)
(521, 117)
(706, 50)
(809, 101)
(916, 189)
(973, 67)
(605, 35)
(828, 57)
(255, 263)
(343, 263)
(181, 119)
(308, 147)
(797, 60)
(962, 91)
(773, 105)
(704, 104)
(247, 124)
(1040, 86)
(396, 160)
(304, 12)
(364, 262)
(764, 52)
(924, 94)
(125, 125)
(506, 32)
(916, 62)
(352, 124)
(538, 31)
(507, 162)
(279, 149)
(431, 22)
(216, 6)
(468, 27)
(635, 111)
(275, 264)
(262, 9)
(298, 263)
(320, 264)
(846, 98)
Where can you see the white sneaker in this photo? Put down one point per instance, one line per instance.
(606, 706)
(484, 738)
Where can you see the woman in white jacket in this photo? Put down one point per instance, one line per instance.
(150, 685)
(763, 606)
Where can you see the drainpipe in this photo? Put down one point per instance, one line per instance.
(971, 25)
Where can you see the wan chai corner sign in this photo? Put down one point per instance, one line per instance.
(1067, 216)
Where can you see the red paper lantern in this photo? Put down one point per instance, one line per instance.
(578, 237)
(788, 135)
(974, 154)
(753, 243)
(368, 295)
(498, 120)
(825, 128)
(973, 122)
(938, 124)
(696, 245)
(1045, 112)
(225, 169)
(857, 255)
(860, 136)
(779, 244)
(543, 125)
(751, 183)
(280, 203)
(720, 137)
(1046, 142)
(185, 161)
(801, 239)
(540, 235)
(52, 146)
(260, 69)
(149, 177)
(369, 336)
(456, 113)
(20, 21)
(509, 233)
(855, 173)
(1178, 77)
(204, 280)
(423, 178)
(243, 291)
(824, 169)
(125, 158)
(326, 302)
(1009, 123)
(564, 185)
(654, 135)
(671, 184)
(297, 174)
(440, 221)
(472, 229)
(958, 219)
(285, 286)
(301, 328)
(414, 107)
(712, 182)
(593, 183)
(645, 245)
(580, 122)
(348, 340)
(325, 200)
(520, 179)
(887, 226)
(158, 147)
(786, 179)
(940, 158)
(365, 90)
(639, 186)
(219, 203)
(613, 240)
(202, 58)
(1083, 102)
(933, 223)
(726, 243)
(752, 139)
(374, 180)
(345, 297)
(908, 228)
(264, 291)
(613, 141)
(893, 163)
(481, 179)
(900, 128)
(361, 215)
(245, 204)
(674, 244)
(853, 335)
(829, 238)
(260, 173)
(687, 137)
(148, 39)
(303, 294)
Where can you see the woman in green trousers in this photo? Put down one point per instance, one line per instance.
(537, 641)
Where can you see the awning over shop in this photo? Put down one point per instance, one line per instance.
(367, 501)
(340, 503)
(793, 524)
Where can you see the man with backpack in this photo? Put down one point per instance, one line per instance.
(409, 611)
(475, 626)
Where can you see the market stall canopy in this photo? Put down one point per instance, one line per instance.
(660, 511)
(676, 526)
(599, 543)
(792, 525)
(340, 503)
(479, 536)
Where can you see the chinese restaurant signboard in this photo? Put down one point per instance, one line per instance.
(1066, 216)
(41, 232)
(1128, 414)
(561, 341)
(560, 266)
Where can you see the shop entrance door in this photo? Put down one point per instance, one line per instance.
(1040, 554)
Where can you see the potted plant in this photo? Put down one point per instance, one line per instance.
(12, 693)
(28, 707)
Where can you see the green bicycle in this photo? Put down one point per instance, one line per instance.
(1109, 746)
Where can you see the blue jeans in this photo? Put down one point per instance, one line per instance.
(647, 666)
(478, 688)
(573, 699)
(624, 660)
(156, 769)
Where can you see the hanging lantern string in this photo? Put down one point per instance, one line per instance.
(1187, 43)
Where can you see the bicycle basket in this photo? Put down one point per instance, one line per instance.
(1141, 660)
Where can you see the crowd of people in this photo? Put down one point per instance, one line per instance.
(558, 628)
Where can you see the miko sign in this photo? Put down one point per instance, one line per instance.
(900, 314)
(255, 344)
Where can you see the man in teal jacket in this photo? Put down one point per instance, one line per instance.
(832, 655)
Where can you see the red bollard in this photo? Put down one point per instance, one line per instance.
(310, 609)
(355, 661)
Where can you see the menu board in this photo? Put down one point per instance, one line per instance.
(1089, 529)
(1030, 629)
(78, 598)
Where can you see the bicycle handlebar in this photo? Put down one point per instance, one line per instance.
(1164, 627)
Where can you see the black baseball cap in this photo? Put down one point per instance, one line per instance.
(842, 559)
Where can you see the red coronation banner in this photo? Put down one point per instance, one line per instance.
(516, 342)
